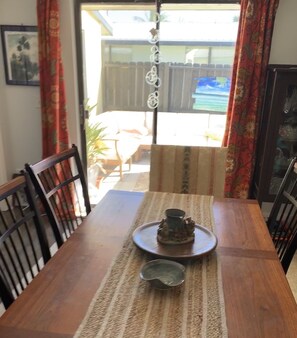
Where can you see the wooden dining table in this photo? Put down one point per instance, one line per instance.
(258, 298)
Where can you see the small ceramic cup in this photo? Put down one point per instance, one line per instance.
(174, 218)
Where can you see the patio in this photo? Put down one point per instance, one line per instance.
(137, 179)
(173, 128)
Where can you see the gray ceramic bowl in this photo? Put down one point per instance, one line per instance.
(163, 273)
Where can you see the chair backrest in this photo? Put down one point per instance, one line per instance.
(188, 169)
(23, 244)
(60, 182)
(282, 220)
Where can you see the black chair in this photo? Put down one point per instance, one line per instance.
(282, 221)
(24, 248)
(61, 185)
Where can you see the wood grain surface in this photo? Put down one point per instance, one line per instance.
(258, 299)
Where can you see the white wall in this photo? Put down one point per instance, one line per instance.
(284, 46)
(20, 116)
(20, 120)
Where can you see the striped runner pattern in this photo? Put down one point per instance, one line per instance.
(188, 169)
(127, 307)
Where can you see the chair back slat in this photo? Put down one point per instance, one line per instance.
(60, 183)
(282, 221)
(24, 248)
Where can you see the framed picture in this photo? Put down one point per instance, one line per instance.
(20, 54)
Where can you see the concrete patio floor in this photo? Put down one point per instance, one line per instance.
(137, 179)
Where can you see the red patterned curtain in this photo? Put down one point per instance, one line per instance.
(52, 90)
(248, 81)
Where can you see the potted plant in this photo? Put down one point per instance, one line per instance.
(95, 148)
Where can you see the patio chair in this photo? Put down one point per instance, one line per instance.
(60, 183)
(188, 169)
(282, 221)
(24, 247)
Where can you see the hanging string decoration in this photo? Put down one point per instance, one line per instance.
(152, 77)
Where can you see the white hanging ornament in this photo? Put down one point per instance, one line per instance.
(153, 100)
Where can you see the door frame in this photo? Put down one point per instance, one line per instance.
(80, 81)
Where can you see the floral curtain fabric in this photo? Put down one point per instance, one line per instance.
(53, 103)
(246, 95)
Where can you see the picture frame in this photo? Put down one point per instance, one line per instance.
(20, 54)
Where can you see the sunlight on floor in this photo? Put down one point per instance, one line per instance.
(135, 180)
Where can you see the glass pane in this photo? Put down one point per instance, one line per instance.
(286, 144)
(223, 55)
(199, 64)
(196, 43)
(197, 55)
(196, 47)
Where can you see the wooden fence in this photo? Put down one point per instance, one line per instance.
(125, 87)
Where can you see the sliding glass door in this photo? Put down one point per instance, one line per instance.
(157, 73)
(194, 63)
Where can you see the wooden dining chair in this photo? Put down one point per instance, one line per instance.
(282, 220)
(24, 247)
(61, 185)
(188, 169)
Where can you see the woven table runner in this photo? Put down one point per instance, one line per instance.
(125, 306)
